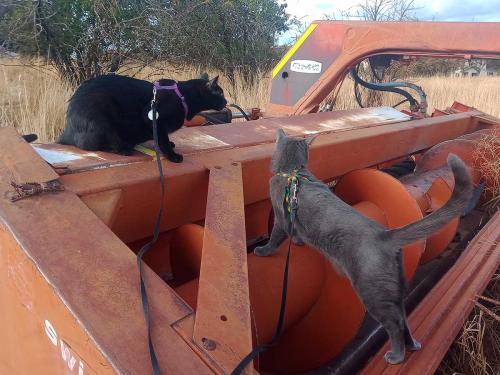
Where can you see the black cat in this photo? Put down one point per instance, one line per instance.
(110, 112)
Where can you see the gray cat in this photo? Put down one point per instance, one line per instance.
(366, 252)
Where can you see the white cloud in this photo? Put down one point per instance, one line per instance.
(310, 10)
(428, 10)
(445, 10)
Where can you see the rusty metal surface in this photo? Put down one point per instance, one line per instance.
(23, 165)
(338, 45)
(94, 276)
(189, 141)
(439, 317)
(104, 205)
(333, 154)
(87, 284)
(39, 333)
(223, 327)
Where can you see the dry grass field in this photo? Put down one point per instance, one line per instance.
(35, 100)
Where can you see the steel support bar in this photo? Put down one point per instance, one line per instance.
(223, 327)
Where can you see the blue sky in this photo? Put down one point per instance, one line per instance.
(438, 10)
(428, 10)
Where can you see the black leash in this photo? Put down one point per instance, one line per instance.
(281, 320)
(144, 296)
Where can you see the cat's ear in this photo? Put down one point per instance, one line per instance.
(213, 82)
(204, 76)
(310, 140)
(280, 134)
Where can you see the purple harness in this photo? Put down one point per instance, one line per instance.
(158, 87)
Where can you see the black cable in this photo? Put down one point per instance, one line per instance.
(241, 110)
(374, 73)
(382, 87)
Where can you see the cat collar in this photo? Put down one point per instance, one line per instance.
(158, 87)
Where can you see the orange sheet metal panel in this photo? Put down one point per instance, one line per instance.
(23, 165)
(59, 263)
(40, 335)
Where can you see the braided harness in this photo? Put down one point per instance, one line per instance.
(290, 199)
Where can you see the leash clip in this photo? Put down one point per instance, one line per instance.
(154, 96)
(153, 104)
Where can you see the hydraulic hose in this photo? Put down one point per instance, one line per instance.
(394, 87)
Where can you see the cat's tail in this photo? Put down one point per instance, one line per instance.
(30, 137)
(458, 204)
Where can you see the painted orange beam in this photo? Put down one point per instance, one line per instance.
(223, 327)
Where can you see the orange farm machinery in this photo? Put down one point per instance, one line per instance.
(69, 290)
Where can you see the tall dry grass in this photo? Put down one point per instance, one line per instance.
(34, 100)
(240, 92)
(476, 350)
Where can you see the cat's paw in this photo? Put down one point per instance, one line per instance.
(174, 157)
(262, 251)
(394, 358)
(297, 241)
(126, 151)
(413, 346)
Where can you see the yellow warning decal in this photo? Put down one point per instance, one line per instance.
(294, 48)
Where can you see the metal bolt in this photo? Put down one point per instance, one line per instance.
(208, 344)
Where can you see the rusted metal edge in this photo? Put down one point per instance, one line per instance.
(117, 178)
(439, 317)
(23, 164)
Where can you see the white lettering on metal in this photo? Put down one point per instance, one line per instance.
(305, 66)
